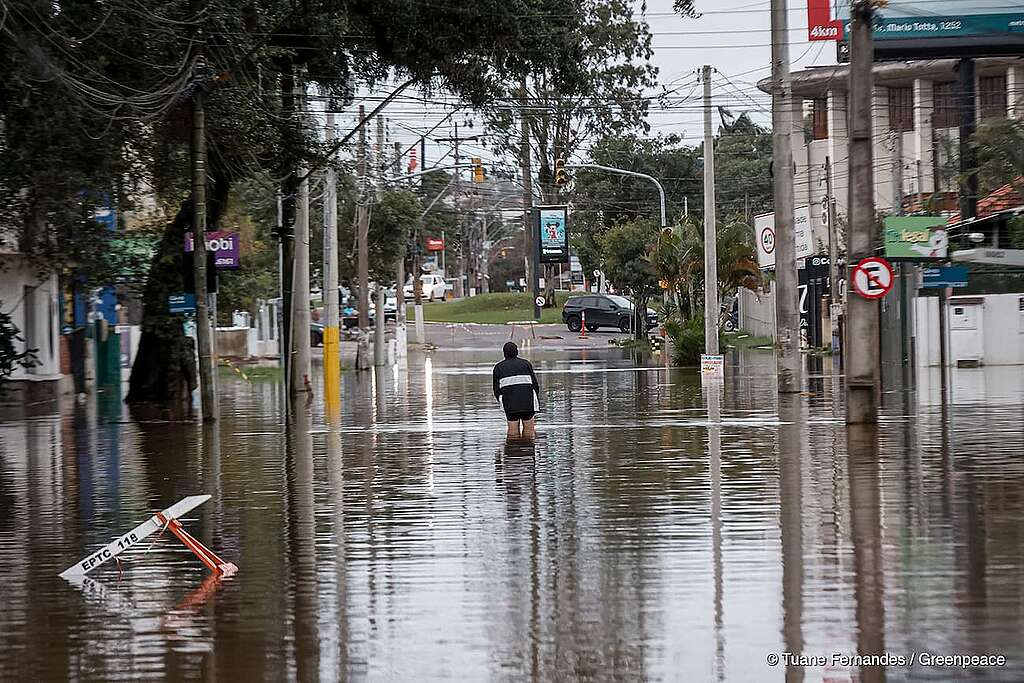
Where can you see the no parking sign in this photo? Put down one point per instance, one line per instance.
(872, 278)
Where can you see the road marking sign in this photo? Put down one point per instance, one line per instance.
(539, 301)
(872, 278)
(126, 541)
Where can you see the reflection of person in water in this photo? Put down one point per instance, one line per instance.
(515, 468)
(517, 391)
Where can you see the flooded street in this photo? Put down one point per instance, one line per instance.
(654, 531)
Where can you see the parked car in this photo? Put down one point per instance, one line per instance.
(390, 305)
(602, 310)
(434, 287)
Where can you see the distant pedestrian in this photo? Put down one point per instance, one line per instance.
(517, 390)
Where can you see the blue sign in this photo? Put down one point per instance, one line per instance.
(948, 276)
(182, 303)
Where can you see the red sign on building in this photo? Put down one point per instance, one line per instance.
(435, 244)
(820, 24)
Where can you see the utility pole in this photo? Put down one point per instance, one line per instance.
(207, 389)
(401, 334)
(379, 323)
(787, 315)
(710, 228)
(460, 281)
(532, 276)
(363, 247)
(862, 365)
(286, 234)
(906, 271)
(835, 299)
(332, 338)
(300, 295)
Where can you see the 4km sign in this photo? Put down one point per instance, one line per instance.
(872, 278)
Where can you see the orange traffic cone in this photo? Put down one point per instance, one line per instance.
(583, 324)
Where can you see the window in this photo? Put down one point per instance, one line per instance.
(901, 108)
(992, 97)
(819, 119)
(944, 96)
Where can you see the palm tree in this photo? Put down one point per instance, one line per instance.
(678, 260)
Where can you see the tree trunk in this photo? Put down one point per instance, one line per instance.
(164, 373)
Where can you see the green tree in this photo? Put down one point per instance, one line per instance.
(626, 249)
(591, 84)
(679, 260)
(1000, 147)
(88, 106)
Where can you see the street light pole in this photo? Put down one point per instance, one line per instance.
(622, 171)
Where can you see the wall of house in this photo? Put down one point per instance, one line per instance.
(33, 306)
(997, 340)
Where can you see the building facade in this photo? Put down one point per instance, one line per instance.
(915, 130)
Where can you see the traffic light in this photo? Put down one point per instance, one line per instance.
(478, 171)
(561, 175)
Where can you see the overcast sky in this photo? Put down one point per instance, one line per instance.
(733, 36)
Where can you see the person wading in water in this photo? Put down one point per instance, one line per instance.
(517, 390)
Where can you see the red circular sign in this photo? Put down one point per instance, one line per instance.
(768, 240)
(872, 278)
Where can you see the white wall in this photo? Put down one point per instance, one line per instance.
(35, 312)
(757, 313)
(1002, 330)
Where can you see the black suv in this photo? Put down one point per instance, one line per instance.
(602, 310)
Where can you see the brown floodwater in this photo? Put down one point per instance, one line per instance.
(653, 531)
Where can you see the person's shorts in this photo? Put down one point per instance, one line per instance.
(516, 417)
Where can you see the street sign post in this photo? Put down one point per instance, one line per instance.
(166, 519)
(872, 278)
(764, 236)
(940, 278)
(182, 303)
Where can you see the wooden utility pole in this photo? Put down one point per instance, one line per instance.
(532, 276)
(207, 388)
(710, 228)
(379, 323)
(787, 314)
(401, 330)
(863, 374)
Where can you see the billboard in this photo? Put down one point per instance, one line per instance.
(928, 28)
(915, 238)
(764, 236)
(553, 233)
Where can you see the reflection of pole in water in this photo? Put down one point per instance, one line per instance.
(335, 664)
(713, 399)
(866, 523)
(428, 395)
(302, 546)
(791, 522)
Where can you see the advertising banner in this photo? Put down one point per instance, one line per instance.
(224, 244)
(915, 238)
(928, 27)
(553, 233)
(435, 244)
